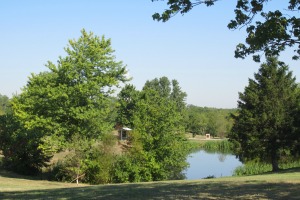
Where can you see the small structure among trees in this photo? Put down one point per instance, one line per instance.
(124, 133)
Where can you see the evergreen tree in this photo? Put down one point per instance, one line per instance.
(264, 128)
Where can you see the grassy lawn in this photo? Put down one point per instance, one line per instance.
(284, 185)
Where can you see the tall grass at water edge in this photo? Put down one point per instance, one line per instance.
(255, 168)
(223, 146)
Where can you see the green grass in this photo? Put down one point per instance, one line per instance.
(283, 185)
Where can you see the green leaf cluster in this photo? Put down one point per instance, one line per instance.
(179, 6)
(20, 147)
(159, 147)
(71, 98)
(268, 31)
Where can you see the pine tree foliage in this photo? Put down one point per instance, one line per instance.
(265, 127)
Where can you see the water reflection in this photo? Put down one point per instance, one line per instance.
(204, 164)
(222, 157)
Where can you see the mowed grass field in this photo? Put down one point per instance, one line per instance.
(283, 185)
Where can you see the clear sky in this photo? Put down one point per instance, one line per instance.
(196, 49)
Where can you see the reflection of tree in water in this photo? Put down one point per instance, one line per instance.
(222, 157)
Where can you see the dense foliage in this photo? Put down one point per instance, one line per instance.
(71, 98)
(266, 126)
(20, 147)
(159, 146)
(269, 31)
(88, 161)
(70, 108)
(155, 150)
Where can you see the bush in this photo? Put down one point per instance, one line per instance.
(88, 161)
(132, 168)
(21, 147)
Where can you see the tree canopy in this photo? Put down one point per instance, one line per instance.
(71, 98)
(156, 114)
(269, 31)
(266, 126)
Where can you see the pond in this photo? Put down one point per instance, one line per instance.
(204, 164)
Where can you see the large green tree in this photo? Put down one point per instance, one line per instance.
(265, 127)
(159, 147)
(71, 97)
(269, 31)
(162, 134)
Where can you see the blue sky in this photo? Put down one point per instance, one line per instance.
(196, 49)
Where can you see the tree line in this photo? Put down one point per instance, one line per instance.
(214, 121)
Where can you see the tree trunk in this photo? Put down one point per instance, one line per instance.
(275, 166)
(275, 159)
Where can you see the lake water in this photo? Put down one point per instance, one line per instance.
(204, 164)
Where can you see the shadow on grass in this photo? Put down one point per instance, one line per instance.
(9, 174)
(290, 170)
(206, 189)
(283, 171)
(161, 190)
